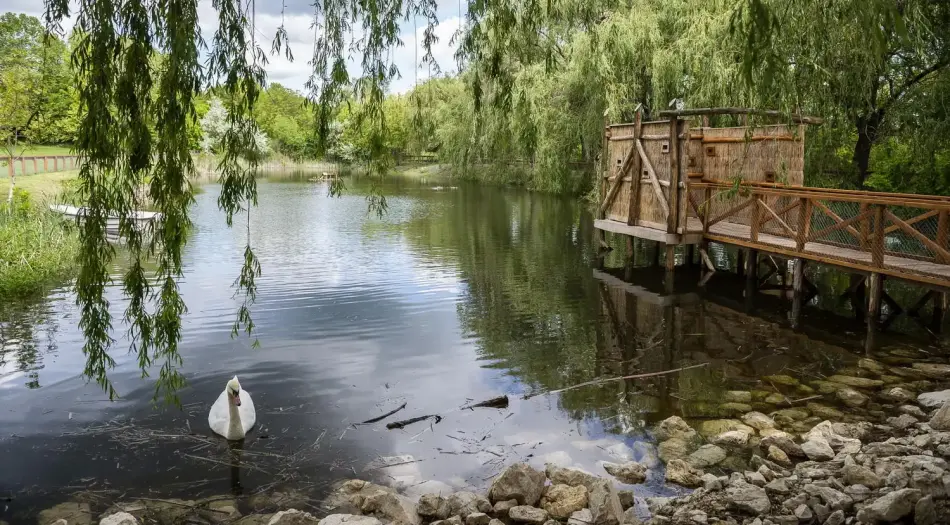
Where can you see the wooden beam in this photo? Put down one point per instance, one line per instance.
(644, 232)
(775, 216)
(841, 225)
(936, 281)
(837, 218)
(731, 211)
(706, 260)
(941, 253)
(674, 200)
(617, 183)
(922, 217)
(877, 243)
(796, 203)
(754, 138)
(871, 197)
(695, 112)
(633, 207)
(653, 179)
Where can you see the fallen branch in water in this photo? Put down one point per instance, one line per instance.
(612, 379)
(809, 398)
(495, 402)
(405, 422)
(384, 416)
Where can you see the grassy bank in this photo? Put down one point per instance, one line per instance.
(37, 248)
(42, 187)
(40, 150)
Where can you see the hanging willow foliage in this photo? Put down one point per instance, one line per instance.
(138, 69)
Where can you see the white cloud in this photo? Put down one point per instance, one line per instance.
(298, 19)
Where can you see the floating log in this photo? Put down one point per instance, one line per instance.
(384, 416)
(495, 402)
(406, 422)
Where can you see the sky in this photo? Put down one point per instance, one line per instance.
(297, 16)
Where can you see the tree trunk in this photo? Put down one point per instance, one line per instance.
(868, 127)
(12, 185)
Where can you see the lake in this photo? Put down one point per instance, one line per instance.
(458, 294)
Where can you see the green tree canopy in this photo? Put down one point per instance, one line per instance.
(539, 78)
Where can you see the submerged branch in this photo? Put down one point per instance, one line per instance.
(612, 379)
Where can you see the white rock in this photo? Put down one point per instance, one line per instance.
(581, 517)
(119, 518)
(933, 400)
(817, 449)
(348, 519)
(758, 420)
(299, 517)
(732, 438)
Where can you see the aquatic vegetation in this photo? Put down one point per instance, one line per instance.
(37, 248)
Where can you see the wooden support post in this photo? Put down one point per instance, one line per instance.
(35, 166)
(45, 164)
(875, 287)
(943, 231)
(672, 225)
(941, 302)
(804, 219)
(865, 229)
(751, 278)
(740, 262)
(690, 255)
(22, 166)
(656, 255)
(798, 281)
(631, 251)
(756, 218)
(670, 257)
(636, 168)
(877, 244)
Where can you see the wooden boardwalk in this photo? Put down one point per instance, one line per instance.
(678, 183)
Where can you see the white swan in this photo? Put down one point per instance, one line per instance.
(232, 415)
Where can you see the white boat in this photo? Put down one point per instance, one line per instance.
(141, 218)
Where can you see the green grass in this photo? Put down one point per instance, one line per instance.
(43, 188)
(38, 151)
(37, 248)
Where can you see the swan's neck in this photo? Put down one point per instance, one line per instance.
(235, 428)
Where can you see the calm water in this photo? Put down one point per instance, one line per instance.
(460, 293)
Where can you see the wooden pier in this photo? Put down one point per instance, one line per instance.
(677, 182)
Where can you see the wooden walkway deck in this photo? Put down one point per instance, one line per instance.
(678, 183)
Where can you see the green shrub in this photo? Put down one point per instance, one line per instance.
(37, 247)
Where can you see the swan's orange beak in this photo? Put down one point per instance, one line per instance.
(236, 398)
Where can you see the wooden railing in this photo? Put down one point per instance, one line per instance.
(903, 235)
(40, 164)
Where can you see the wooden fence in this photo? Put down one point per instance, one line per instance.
(40, 164)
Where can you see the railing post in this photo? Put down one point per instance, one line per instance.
(877, 244)
(45, 164)
(35, 167)
(756, 218)
(943, 231)
(22, 166)
(707, 208)
(865, 228)
(804, 220)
